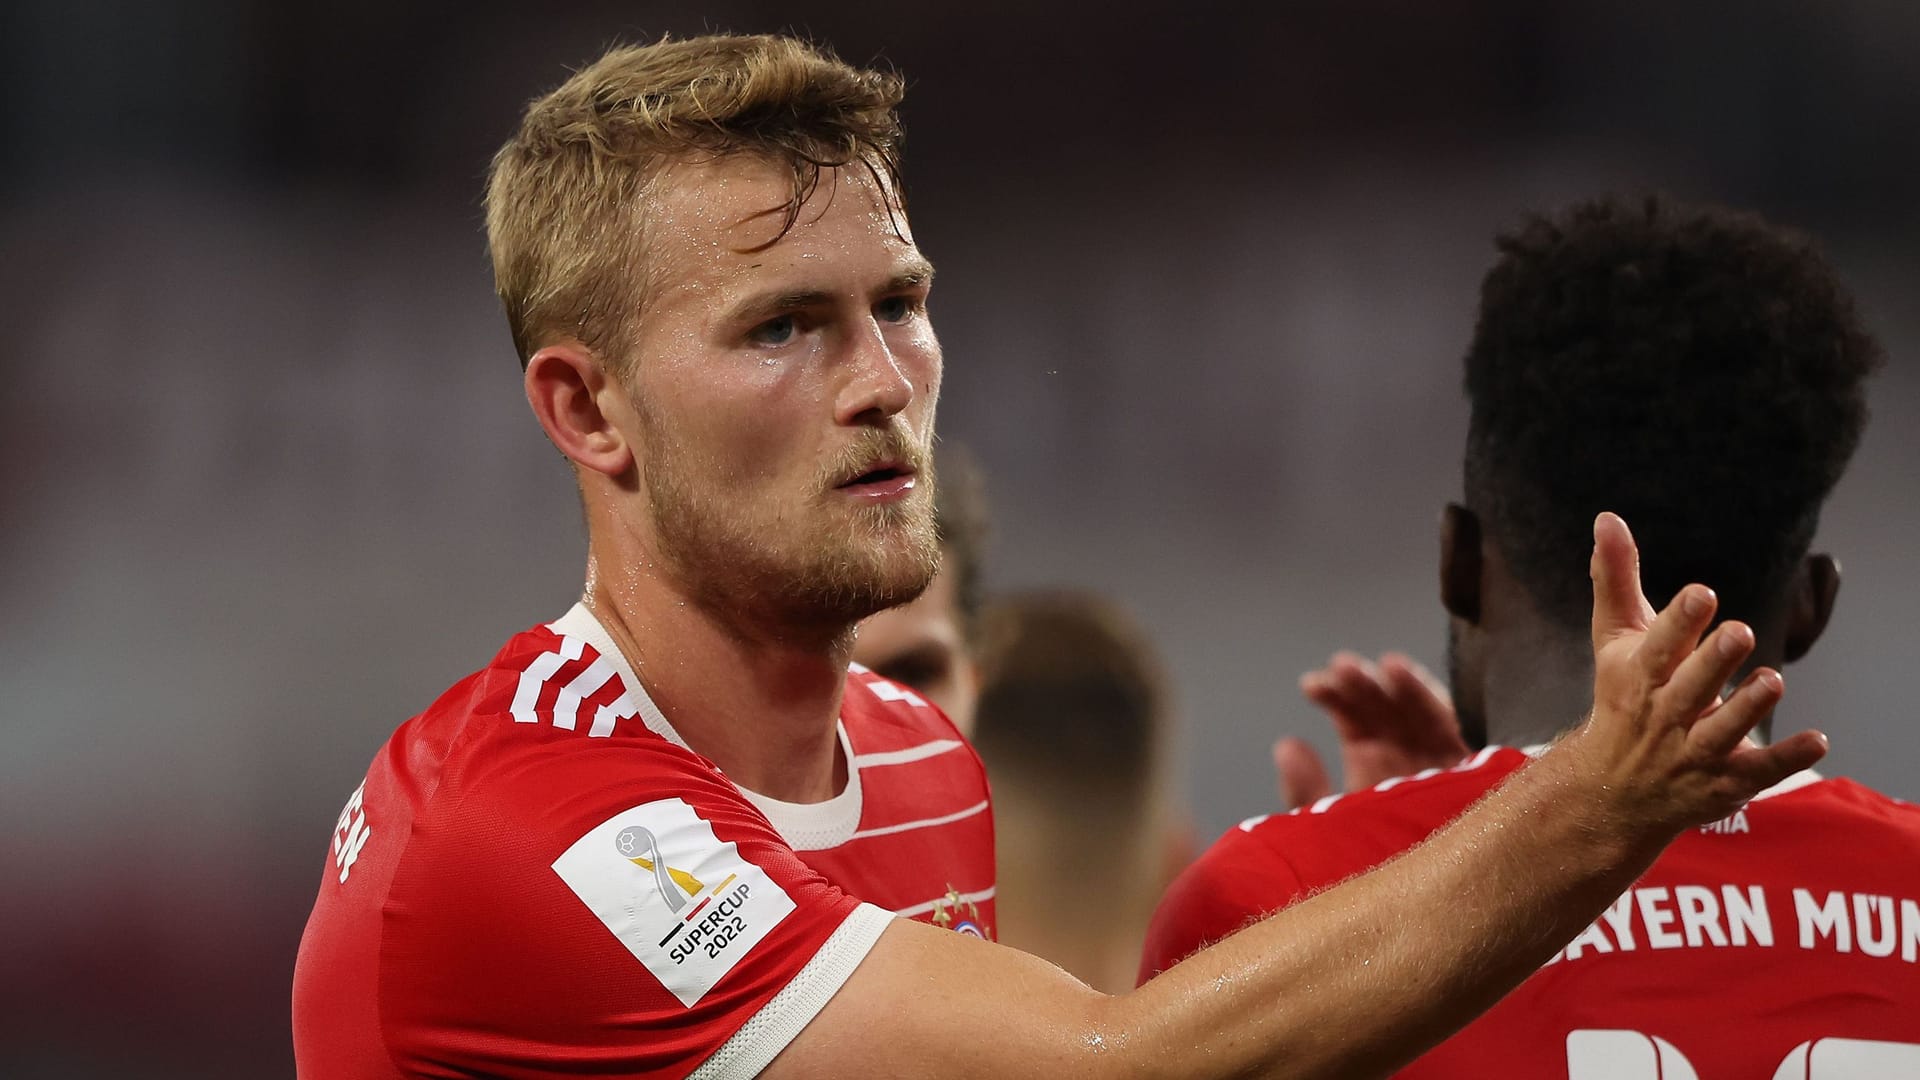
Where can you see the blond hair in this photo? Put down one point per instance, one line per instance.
(566, 196)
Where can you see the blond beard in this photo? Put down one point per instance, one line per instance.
(769, 575)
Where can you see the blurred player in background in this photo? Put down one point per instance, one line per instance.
(928, 643)
(1706, 371)
(667, 835)
(1075, 726)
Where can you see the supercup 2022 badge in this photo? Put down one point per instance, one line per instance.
(685, 904)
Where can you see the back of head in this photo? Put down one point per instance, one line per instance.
(1072, 702)
(1694, 369)
(1073, 724)
(567, 195)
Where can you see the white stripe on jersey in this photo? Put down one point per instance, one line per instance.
(604, 717)
(1323, 803)
(925, 823)
(1485, 755)
(887, 691)
(965, 898)
(912, 753)
(1389, 785)
(527, 694)
(566, 709)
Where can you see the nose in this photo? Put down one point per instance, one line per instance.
(879, 382)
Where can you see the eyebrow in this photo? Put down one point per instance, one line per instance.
(916, 274)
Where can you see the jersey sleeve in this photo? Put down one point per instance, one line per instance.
(606, 908)
(1234, 884)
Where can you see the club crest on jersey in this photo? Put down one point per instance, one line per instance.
(685, 904)
(957, 913)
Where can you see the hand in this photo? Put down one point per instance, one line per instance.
(1393, 719)
(1662, 748)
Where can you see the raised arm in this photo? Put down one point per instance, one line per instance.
(1361, 978)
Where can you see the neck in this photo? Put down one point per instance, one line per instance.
(1537, 686)
(1539, 683)
(761, 705)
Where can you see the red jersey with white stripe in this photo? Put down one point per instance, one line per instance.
(1781, 942)
(537, 878)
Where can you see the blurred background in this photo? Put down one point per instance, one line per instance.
(1206, 275)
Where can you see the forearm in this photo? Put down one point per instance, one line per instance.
(1361, 978)
(1358, 980)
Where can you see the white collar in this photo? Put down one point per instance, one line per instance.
(804, 826)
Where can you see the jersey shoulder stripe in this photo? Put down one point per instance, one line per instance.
(1469, 777)
(1840, 802)
(891, 717)
(556, 681)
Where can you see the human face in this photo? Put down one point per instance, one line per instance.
(785, 393)
(921, 645)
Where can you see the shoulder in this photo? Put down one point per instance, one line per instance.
(546, 678)
(577, 873)
(1268, 862)
(585, 893)
(890, 724)
(545, 742)
(1424, 800)
(909, 755)
(1233, 883)
(1342, 835)
(1841, 800)
(889, 711)
(553, 700)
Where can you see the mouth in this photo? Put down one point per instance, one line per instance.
(884, 481)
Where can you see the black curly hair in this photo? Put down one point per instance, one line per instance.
(1695, 369)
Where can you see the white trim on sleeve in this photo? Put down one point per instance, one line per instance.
(768, 1031)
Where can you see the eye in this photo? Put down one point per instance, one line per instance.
(922, 669)
(774, 331)
(893, 309)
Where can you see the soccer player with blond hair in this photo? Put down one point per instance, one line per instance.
(669, 835)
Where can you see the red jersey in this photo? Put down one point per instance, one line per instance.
(537, 878)
(1783, 941)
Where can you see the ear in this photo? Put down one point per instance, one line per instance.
(1460, 563)
(1815, 585)
(575, 401)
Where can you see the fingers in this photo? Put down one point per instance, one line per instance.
(1618, 604)
(1767, 765)
(1721, 730)
(1303, 777)
(1349, 688)
(1423, 707)
(1419, 683)
(1761, 767)
(1393, 718)
(1670, 641)
(1657, 676)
